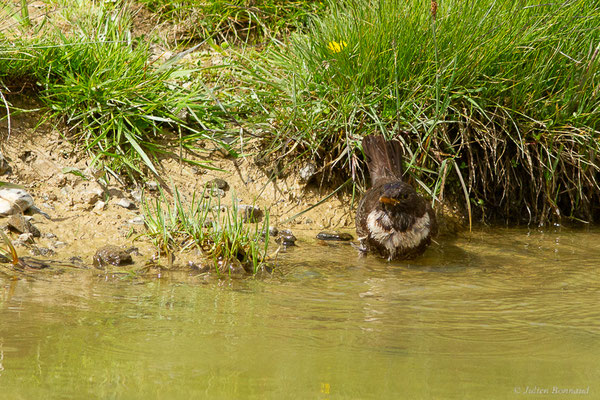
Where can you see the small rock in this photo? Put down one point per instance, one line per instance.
(250, 214)
(139, 220)
(21, 224)
(14, 201)
(335, 236)
(214, 192)
(218, 183)
(25, 238)
(113, 255)
(126, 203)
(99, 206)
(307, 172)
(58, 244)
(42, 251)
(3, 165)
(88, 193)
(152, 186)
(286, 238)
(50, 235)
(273, 231)
(137, 195)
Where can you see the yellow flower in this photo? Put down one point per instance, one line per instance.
(336, 47)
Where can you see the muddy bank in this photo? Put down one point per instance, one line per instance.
(88, 208)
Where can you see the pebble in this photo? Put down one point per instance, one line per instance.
(14, 201)
(215, 192)
(126, 203)
(286, 238)
(89, 193)
(218, 183)
(137, 195)
(42, 251)
(250, 214)
(139, 220)
(3, 165)
(113, 255)
(152, 186)
(25, 238)
(21, 224)
(99, 206)
(273, 231)
(307, 172)
(335, 236)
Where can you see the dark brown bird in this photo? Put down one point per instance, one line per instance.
(392, 220)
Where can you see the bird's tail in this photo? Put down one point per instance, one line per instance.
(384, 158)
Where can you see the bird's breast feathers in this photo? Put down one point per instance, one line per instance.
(382, 231)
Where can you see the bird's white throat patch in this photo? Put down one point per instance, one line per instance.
(382, 231)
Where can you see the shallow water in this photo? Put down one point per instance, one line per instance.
(489, 315)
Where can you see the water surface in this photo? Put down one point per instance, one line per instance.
(493, 314)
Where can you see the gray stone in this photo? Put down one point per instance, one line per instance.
(215, 192)
(137, 195)
(88, 193)
(113, 255)
(21, 224)
(126, 203)
(25, 238)
(100, 206)
(3, 165)
(139, 220)
(250, 214)
(152, 186)
(334, 236)
(14, 201)
(307, 172)
(218, 183)
(286, 238)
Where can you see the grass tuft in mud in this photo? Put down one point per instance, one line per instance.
(238, 21)
(218, 231)
(122, 105)
(496, 102)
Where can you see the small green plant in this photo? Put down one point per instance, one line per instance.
(217, 230)
(8, 251)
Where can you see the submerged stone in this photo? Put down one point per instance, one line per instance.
(335, 236)
(286, 238)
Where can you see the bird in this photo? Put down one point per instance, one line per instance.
(392, 220)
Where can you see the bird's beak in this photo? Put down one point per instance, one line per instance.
(388, 200)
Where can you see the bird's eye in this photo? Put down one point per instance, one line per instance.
(404, 196)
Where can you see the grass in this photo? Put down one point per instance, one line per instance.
(240, 21)
(218, 231)
(122, 105)
(494, 101)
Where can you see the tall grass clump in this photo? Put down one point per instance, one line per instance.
(495, 101)
(217, 230)
(234, 20)
(120, 103)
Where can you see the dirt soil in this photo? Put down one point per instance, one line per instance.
(40, 159)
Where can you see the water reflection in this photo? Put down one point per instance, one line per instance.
(477, 317)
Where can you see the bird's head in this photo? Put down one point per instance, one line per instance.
(400, 196)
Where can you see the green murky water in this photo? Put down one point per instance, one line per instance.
(490, 315)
